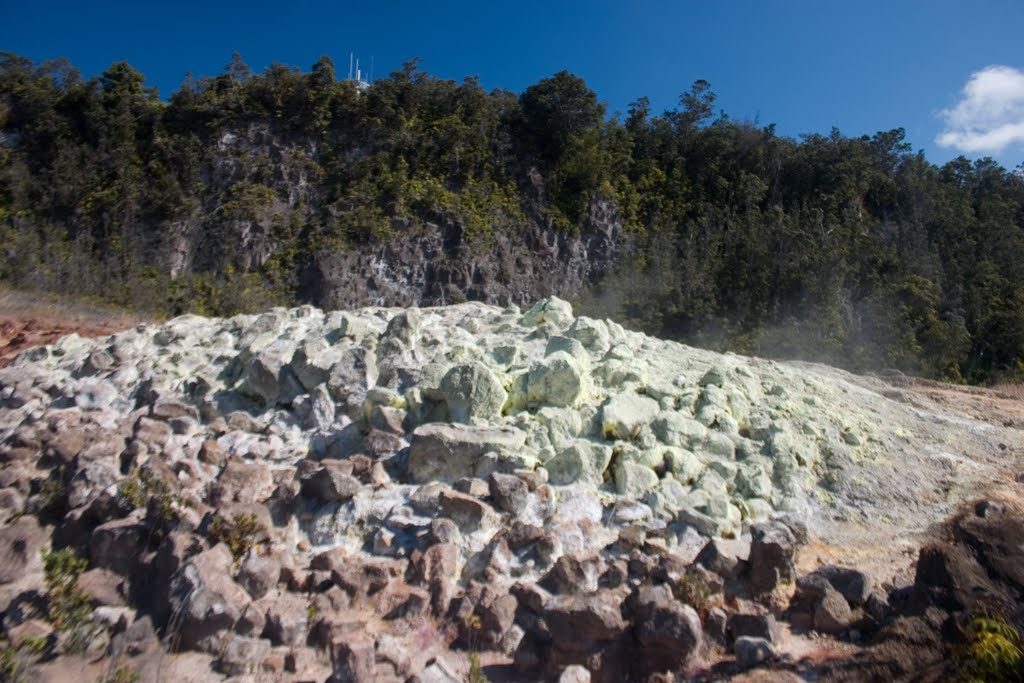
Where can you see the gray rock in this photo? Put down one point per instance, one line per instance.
(832, 615)
(761, 626)
(353, 373)
(118, 545)
(467, 512)
(574, 674)
(206, 600)
(668, 633)
(20, 543)
(727, 558)
(772, 549)
(574, 574)
(95, 394)
(445, 452)
(510, 493)
(267, 375)
(752, 651)
(259, 574)
(352, 659)
(287, 620)
(854, 585)
(715, 624)
(332, 482)
(103, 587)
(242, 656)
(244, 482)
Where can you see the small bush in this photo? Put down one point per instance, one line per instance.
(134, 490)
(476, 671)
(67, 605)
(122, 674)
(240, 534)
(138, 490)
(694, 591)
(12, 669)
(993, 651)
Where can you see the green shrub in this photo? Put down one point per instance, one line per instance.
(993, 651)
(68, 606)
(122, 674)
(12, 669)
(240, 534)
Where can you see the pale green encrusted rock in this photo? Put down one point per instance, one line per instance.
(624, 415)
(755, 509)
(551, 310)
(557, 380)
(648, 457)
(677, 429)
(518, 392)
(583, 462)
(472, 391)
(726, 469)
(634, 480)
(617, 373)
(753, 480)
(711, 482)
(570, 346)
(563, 425)
(683, 464)
(593, 334)
(430, 378)
(714, 445)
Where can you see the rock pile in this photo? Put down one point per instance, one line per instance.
(350, 495)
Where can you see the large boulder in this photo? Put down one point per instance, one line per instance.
(268, 376)
(583, 461)
(551, 310)
(205, 600)
(832, 615)
(772, 548)
(448, 452)
(557, 380)
(667, 632)
(624, 415)
(118, 545)
(471, 391)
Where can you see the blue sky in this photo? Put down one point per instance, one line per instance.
(805, 65)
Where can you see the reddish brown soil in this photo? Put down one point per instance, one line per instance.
(28, 320)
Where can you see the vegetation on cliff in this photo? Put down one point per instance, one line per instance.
(850, 250)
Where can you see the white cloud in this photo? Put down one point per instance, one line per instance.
(990, 116)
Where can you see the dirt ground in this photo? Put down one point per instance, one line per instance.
(32, 319)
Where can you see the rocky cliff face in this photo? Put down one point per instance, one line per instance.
(367, 495)
(258, 187)
(440, 265)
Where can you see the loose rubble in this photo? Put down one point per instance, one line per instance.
(370, 495)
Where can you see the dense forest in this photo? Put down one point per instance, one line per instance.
(849, 250)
